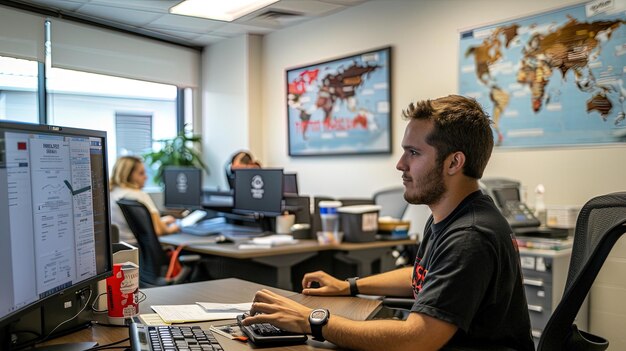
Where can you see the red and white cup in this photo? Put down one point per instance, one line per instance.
(123, 292)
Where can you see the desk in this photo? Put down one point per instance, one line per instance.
(227, 291)
(282, 258)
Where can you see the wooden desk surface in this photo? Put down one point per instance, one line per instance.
(226, 291)
(206, 245)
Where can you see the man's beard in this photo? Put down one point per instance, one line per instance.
(430, 190)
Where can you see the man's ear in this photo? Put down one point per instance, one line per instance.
(455, 163)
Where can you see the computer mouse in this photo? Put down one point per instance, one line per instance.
(221, 239)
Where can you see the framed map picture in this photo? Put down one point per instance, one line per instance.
(340, 107)
(551, 79)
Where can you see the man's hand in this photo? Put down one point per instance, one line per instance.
(328, 285)
(279, 311)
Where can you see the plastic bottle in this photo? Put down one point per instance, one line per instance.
(540, 206)
(330, 221)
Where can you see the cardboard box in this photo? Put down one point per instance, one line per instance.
(359, 223)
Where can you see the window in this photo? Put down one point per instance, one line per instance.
(133, 132)
(134, 113)
(18, 90)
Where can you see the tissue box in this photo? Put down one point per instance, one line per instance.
(562, 216)
(359, 223)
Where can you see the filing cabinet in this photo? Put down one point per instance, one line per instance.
(545, 274)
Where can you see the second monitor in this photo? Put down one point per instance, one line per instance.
(258, 192)
(183, 187)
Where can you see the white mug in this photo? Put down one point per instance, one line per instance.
(284, 223)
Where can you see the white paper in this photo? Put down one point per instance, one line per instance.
(190, 313)
(278, 239)
(213, 307)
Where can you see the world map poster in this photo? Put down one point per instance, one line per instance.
(340, 106)
(550, 79)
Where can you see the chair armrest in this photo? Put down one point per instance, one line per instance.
(403, 303)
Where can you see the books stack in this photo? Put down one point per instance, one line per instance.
(544, 243)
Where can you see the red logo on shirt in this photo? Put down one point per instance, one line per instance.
(419, 275)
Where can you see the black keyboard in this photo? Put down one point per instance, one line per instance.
(171, 338)
(266, 334)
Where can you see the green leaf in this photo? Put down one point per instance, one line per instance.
(177, 151)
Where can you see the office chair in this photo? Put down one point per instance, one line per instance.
(392, 201)
(154, 261)
(601, 222)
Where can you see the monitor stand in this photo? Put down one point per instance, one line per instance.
(76, 346)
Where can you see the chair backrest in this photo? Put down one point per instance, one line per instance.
(392, 202)
(153, 260)
(601, 222)
(303, 203)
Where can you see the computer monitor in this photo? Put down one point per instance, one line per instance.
(54, 223)
(258, 191)
(290, 183)
(183, 187)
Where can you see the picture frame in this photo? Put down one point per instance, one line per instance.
(340, 106)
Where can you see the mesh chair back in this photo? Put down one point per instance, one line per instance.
(601, 222)
(392, 202)
(153, 260)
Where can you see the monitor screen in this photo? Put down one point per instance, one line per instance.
(290, 183)
(504, 195)
(258, 191)
(54, 213)
(183, 187)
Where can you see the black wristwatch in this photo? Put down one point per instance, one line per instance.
(317, 319)
(354, 290)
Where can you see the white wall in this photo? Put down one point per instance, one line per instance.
(224, 104)
(424, 36)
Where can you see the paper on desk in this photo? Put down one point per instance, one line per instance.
(191, 313)
(278, 239)
(213, 307)
(151, 319)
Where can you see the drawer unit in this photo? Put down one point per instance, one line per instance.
(544, 273)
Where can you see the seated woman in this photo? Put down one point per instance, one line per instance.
(127, 180)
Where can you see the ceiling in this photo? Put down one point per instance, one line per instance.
(152, 18)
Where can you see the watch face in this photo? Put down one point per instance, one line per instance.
(318, 315)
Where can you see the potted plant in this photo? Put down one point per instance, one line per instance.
(178, 151)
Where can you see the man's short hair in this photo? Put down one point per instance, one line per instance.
(460, 124)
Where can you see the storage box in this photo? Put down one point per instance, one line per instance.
(359, 223)
(562, 216)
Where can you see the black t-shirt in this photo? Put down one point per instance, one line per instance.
(467, 273)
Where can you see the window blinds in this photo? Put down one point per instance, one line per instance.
(22, 34)
(97, 50)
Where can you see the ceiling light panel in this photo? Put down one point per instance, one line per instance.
(219, 9)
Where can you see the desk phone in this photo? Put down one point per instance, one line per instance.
(519, 215)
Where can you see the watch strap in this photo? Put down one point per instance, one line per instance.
(316, 331)
(354, 289)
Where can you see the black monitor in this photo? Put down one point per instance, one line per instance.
(54, 226)
(290, 183)
(183, 187)
(258, 191)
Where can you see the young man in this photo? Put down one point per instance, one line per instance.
(466, 281)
